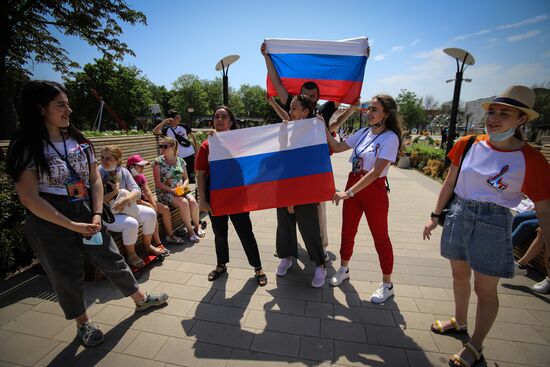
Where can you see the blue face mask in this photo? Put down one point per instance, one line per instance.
(502, 136)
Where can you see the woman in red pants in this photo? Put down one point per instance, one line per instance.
(373, 149)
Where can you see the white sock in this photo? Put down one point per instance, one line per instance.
(387, 285)
(345, 268)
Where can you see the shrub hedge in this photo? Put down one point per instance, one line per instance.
(15, 252)
(428, 159)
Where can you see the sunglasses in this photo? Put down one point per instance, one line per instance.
(165, 146)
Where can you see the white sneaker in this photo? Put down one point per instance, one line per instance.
(319, 277)
(519, 269)
(339, 277)
(193, 238)
(542, 287)
(200, 233)
(381, 294)
(283, 267)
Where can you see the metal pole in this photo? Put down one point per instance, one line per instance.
(454, 114)
(225, 91)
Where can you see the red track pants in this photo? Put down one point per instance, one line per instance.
(373, 201)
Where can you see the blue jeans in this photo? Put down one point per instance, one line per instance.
(524, 226)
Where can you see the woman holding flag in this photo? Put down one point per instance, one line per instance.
(374, 148)
(222, 120)
(304, 215)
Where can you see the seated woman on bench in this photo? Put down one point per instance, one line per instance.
(172, 186)
(121, 191)
(135, 164)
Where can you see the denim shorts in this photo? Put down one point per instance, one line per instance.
(481, 234)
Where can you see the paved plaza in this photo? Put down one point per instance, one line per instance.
(232, 322)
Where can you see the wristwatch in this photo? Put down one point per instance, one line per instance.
(433, 215)
(350, 193)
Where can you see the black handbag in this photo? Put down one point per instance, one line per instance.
(180, 139)
(445, 211)
(107, 215)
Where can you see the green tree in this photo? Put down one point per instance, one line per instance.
(161, 96)
(411, 110)
(542, 103)
(26, 36)
(123, 88)
(189, 91)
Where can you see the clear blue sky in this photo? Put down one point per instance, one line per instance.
(510, 41)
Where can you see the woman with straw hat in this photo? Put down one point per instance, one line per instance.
(495, 173)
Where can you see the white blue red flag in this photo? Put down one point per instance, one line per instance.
(337, 67)
(270, 166)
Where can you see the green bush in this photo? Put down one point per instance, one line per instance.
(423, 138)
(200, 136)
(15, 252)
(421, 154)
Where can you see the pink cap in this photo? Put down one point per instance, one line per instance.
(136, 159)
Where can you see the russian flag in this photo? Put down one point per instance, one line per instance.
(269, 166)
(337, 67)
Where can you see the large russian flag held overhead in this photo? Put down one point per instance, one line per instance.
(337, 67)
(269, 166)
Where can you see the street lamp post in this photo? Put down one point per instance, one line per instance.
(190, 110)
(463, 59)
(223, 66)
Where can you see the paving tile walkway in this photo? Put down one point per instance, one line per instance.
(232, 322)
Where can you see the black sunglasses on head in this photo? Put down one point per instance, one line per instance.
(164, 146)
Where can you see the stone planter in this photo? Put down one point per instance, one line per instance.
(404, 162)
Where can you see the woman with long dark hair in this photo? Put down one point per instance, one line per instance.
(375, 147)
(304, 215)
(57, 180)
(222, 120)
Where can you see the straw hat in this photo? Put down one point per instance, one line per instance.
(517, 96)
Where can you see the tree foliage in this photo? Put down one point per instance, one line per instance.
(205, 95)
(28, 33)
(411, 110)
(542, 104)
(124, 89)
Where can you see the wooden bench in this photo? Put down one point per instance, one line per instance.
(147, 147)
(520, 249)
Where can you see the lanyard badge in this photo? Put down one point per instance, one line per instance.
(76, 189)
(356, 164)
